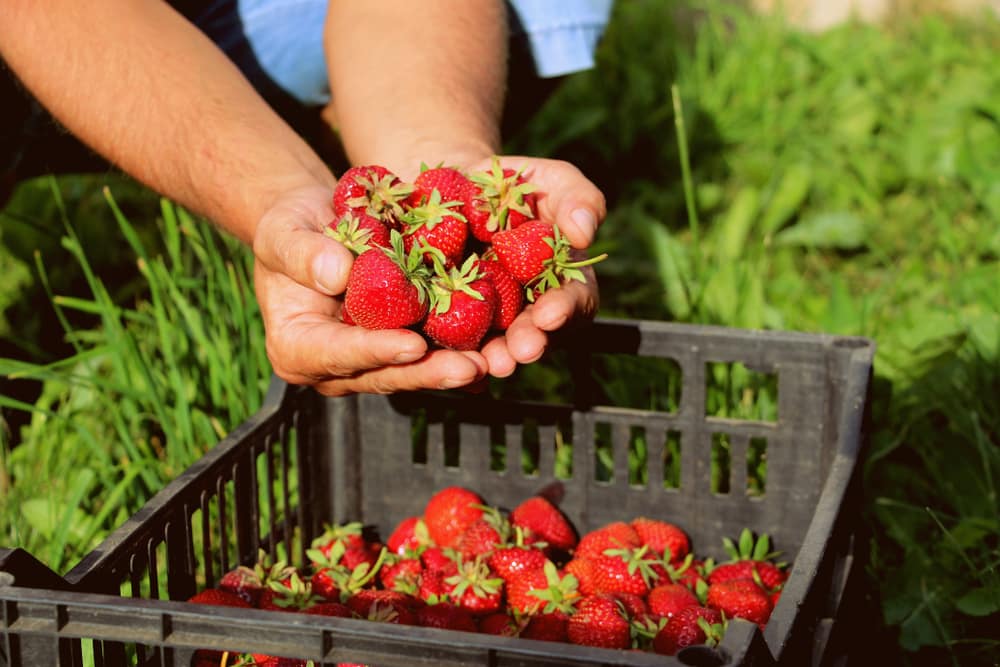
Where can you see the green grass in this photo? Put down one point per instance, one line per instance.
(846, 182)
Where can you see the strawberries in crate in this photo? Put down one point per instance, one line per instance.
(485, 254)
(459, 563)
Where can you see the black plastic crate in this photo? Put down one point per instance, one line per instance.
(305, 460)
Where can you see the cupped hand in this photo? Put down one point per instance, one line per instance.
(298, 272)
(571, 201)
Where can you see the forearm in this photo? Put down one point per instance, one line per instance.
(421, 82)
(147, 90)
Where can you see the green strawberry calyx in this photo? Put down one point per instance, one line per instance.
(446, 282)
(560, 267)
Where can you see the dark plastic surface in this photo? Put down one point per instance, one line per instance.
(304, 460)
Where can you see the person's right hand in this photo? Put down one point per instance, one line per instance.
(297, 273)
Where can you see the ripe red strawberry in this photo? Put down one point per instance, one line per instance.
(499, 623)
(348, 534)
(294, 595)
(496, 200)
(343, 570)
(627, 570)
(385, 606)
(483, 536)
(510, 294)
(462, 304)
(549, 627)
(436, 559)
(262, 660)
(666, 599)
(538, 256)
(335, 609)
(358, 233)
(542, 591)
(768, 574)
(250, 582)
(370, 190)
(689, 626)
(583, 570)
(436, 224)
(475, 587)
(450, 512)
(446, 617)
(749, 559)
(615, 535)
(690, 572)
(512, 562)
(387, 288)
(600, 620)
(450, 183)
(403, 575)
(541, 520)
(663, 538)
(409, 535)
(219, 598)
(740, 598)
(433, 586)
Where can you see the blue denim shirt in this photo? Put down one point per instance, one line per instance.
(562, 35)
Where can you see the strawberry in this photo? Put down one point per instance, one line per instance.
(294, 595)
(666, 599)
(615, 535)
(219, 598)
(433, 586)
(250, 582)
(262, 660)
(513, 561)
(450, 183)
(749, 559)
(370, 190)
(541, 520)
(627, 570)
(483, 536)
(446, 617)
(542, 591)
(338, 574)
(663, 538)
(496, 200)
(600, 620)
(583, 570)
(740, 598)
(549, 627)
(387, 287)
(403, 575)
(538, 256)
(358, 233)
(499, 623)
(450, 512)
(348, 534)
(335, 609)
(462, 304)
(510, 295)
(690, 572)
(689, 626)
(410, 534)
(436, 559)
(475, 587)
(436, 224)
(385, 606)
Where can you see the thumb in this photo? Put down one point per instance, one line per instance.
(305, 255)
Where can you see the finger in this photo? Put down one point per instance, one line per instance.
(307, 256)
(499, 359)
(573, 300)
(525, 341)
(568, 198)
(439, 369)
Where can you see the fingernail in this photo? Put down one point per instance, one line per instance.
(453, 383)
(407, 357)
(327, 273)
(585, 221)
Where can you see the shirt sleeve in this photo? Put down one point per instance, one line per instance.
(563, 35)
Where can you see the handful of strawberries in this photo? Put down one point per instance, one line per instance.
(462, 564)
(452, 255)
